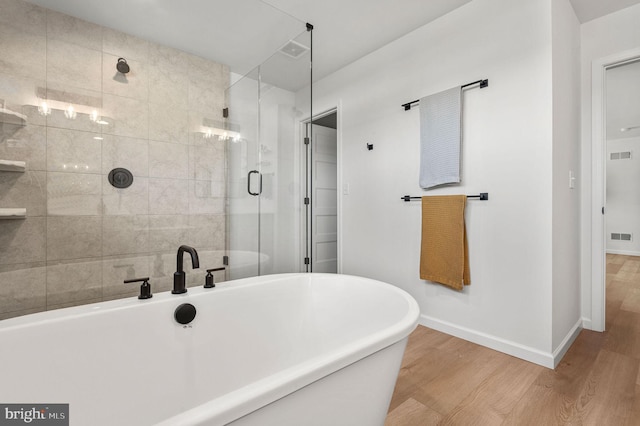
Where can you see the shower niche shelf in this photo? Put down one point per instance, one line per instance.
(11, 117)
(17, 213)
(10, 123)
(12, 166)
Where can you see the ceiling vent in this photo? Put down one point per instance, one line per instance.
(293, 49)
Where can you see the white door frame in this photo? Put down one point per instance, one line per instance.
(598, 181)
(303, 123)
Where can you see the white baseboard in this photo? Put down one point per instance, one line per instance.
(586, 323)
(549, 360)
(625, 252)
(545, 359)
(562, 349)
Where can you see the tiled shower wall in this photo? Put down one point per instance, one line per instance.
(82, 237)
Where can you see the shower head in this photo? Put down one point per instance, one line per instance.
(122, 66)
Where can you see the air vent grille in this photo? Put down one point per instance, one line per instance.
(621, 236)
(626, 155)
(293, 49)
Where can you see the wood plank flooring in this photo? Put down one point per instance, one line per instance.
(448, 381)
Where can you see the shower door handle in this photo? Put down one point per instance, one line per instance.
(249, 183)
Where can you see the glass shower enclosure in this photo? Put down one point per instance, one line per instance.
(265, 144)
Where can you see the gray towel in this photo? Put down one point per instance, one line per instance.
(440, 130)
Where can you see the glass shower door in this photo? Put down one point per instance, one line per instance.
(266, 190)
(243, 178)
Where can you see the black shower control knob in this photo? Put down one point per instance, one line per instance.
(209, 281)
(145, 288)
(120, 178)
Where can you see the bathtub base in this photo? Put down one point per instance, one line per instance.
(357, 395)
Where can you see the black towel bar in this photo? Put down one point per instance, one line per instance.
(483, 196)
(483, 83)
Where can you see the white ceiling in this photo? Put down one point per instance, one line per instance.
(346, 30)
(586, 10)
(244, 33)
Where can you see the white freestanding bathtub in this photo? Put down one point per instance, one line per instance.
(291, 349)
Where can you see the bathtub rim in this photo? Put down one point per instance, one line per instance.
(129, 302)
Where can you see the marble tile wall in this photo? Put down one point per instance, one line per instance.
(82, 237)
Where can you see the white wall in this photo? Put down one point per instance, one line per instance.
(507, 152)
(566, 157)
(623, 196)
(600, 38)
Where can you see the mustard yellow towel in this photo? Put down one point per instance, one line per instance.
(444, 256)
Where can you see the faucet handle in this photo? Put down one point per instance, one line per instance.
(145, 288)
(208, 280)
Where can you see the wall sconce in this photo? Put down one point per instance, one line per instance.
(70, 113)
(95, 117)
(44, 109)
(209, 132)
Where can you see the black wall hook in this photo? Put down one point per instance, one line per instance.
(370, 146)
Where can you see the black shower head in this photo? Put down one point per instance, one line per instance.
(122, 66)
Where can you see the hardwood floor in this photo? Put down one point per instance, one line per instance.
(448, 381)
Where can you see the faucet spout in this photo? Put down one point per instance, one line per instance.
(179, 277)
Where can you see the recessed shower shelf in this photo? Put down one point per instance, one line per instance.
(12, 166)
(10, 123)
(17, 213)
(11, 117)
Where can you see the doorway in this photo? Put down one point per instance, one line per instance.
(622, 183)
(321, 200)
(606, 127)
